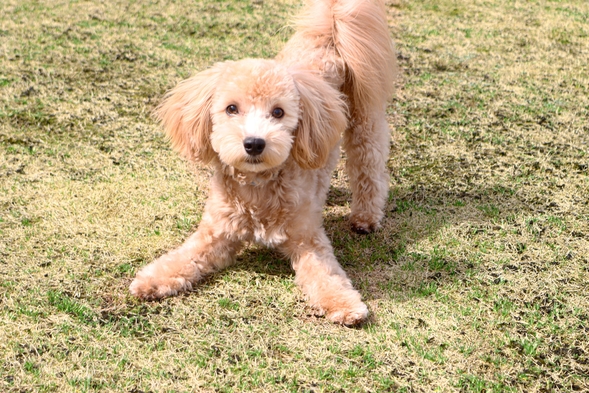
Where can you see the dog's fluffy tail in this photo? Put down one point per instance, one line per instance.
(358, 30)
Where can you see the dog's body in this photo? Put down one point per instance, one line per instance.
(271, 130)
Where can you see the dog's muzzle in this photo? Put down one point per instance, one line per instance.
(254, 146)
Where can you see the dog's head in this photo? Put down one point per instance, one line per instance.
(253, 115)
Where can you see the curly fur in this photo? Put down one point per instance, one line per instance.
(332, 78)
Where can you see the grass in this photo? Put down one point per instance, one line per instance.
(477, 281)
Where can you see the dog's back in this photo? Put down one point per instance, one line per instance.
(348, 42)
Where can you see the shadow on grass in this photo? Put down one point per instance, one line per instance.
(393, 261)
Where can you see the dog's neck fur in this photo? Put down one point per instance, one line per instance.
(257, 205)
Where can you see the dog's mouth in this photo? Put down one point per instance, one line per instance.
(253, 160)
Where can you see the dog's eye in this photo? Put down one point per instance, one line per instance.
(231, 110)
(277, 113)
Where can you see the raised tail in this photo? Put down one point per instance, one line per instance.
(357, 30)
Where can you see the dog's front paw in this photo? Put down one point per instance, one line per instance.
(349, 316)
(150, 288)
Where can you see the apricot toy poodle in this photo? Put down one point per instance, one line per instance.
(271, 130)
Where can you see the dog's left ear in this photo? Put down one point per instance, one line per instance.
(322, 119)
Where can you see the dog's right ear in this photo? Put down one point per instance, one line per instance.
(185, 115)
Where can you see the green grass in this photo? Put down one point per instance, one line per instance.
(477, 281)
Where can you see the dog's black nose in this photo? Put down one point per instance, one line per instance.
(254, 146)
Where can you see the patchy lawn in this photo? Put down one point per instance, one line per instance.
(477, 282)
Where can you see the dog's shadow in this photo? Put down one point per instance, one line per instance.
(264, 261)
(394, 262)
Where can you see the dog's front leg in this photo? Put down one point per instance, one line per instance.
(323, 281)
(177, 271)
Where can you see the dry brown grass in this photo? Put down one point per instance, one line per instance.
(478, 281)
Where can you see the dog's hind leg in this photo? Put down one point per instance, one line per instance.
(366, 143)
(322, 279)
(177, 271)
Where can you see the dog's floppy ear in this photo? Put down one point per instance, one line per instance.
(322, 119)
(185, 115)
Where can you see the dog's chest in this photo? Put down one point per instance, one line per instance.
(263, 212)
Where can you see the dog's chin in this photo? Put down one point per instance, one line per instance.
(254, 160)
(254, 166)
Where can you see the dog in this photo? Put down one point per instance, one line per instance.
(271, 129)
